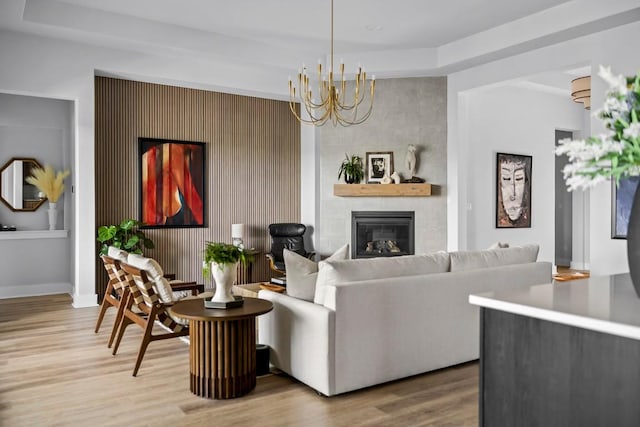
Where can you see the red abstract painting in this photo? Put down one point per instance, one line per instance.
(172, 183)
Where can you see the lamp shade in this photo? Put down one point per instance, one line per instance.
(581, 91)
(237, 231)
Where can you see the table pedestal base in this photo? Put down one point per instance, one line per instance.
(223, 357)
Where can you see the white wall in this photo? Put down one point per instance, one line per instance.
(515, 120)
(609, 48)
(65, 70)
(39, 128)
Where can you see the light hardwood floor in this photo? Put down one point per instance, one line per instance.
(54, 370)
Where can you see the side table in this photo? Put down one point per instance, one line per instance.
(222, 349)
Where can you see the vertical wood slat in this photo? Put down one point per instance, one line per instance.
(252, 167)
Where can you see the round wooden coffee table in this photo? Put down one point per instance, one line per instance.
(222, 346)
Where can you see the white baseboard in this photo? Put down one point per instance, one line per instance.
(19, 291)
(80, 301)
(579, 265)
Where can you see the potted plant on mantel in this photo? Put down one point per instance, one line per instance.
(126, 236)
(222, 259)
(352, 169)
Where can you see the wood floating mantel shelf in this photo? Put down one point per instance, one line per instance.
(382, 190)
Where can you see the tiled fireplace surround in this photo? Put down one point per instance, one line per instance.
(407, 111)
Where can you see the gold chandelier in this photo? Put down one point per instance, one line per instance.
(333, 102)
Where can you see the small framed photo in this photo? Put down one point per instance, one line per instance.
(379, 164)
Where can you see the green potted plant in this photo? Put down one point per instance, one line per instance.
(221, 259)
(126, 236)
(352, 169)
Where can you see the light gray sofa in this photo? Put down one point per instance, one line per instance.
(397, 319)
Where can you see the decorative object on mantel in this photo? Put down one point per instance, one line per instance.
(331, 102)
(395, 177)
(386, 179)
(126, 235)
(51, 184)
(612, 154)
(379, 164)
(223, 259)
(352, 169)
(411, 163)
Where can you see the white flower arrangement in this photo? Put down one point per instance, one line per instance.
(615, 153)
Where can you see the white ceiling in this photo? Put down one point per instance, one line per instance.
(392, 38)
(359, 24)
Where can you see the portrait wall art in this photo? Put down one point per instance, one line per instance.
(172, 177)
(621, 202)
(513, 190)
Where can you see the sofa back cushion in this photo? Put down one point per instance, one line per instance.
(333, 272)
(472, 260)
(303, 272)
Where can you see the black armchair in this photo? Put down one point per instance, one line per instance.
(286, 236)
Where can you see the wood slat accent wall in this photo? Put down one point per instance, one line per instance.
(252, 168)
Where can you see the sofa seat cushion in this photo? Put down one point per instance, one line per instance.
(333, 272)
(303, 272)
(472, 260)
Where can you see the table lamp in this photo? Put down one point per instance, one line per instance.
(237, 234)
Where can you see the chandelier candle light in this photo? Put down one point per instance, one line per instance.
(332, 103)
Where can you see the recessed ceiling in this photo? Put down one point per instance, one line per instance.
(295, 23)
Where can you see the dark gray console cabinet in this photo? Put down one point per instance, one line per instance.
(539, 373)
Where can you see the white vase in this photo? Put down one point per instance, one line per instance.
(53, 216)
(224, 276)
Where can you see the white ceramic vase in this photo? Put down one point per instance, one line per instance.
(53, 216)
(224, 276)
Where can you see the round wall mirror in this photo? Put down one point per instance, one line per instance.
(15, 191)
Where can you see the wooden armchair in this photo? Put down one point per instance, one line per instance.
(118, 289)
(148, 302)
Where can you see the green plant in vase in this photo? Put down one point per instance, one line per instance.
(126, 236)
(221, 260)
(352, 169)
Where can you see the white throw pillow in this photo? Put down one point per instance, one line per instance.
(155, 274)
(303, 272)
(334, 272)
(472, 260)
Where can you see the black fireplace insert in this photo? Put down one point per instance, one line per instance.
(382, 233)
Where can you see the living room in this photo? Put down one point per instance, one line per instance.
(460, 101)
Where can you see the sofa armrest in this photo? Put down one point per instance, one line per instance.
(301, 337)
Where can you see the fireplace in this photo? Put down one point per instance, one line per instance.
(382, 233)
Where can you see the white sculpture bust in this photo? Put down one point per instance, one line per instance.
(411, 160)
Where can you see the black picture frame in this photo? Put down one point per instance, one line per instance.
(171, 183)
(621, 202)
(379, 164)
(513, 177)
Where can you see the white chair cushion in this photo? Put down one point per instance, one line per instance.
(333, 272)
(155, 274)
(117, 253)
(303, 272)
(472, 260)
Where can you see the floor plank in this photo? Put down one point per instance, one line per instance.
(54, 370)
